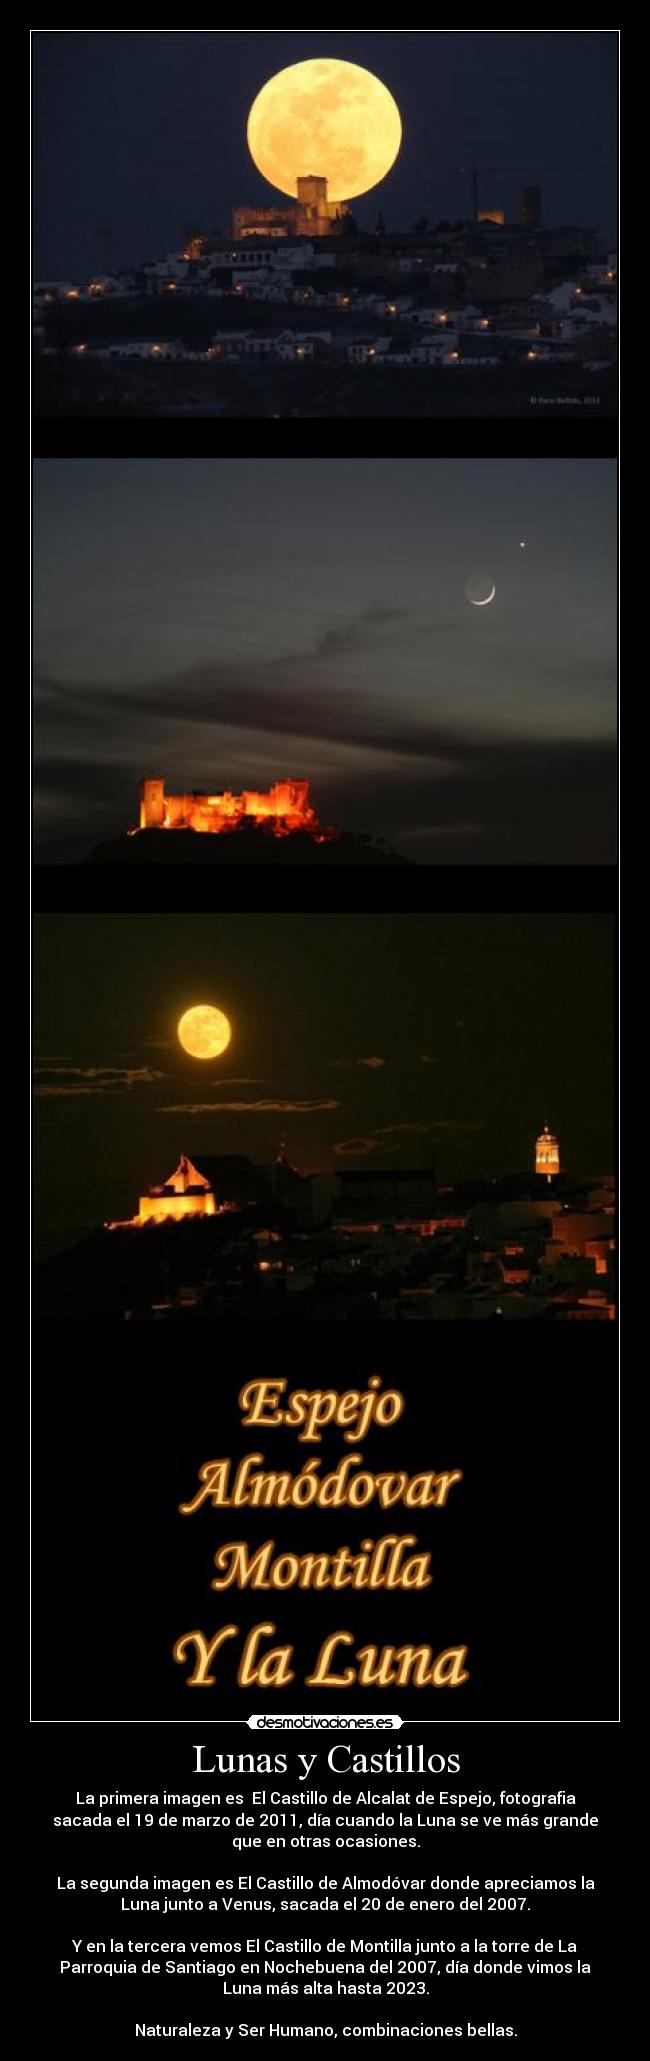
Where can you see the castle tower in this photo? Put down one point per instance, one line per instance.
(547, 1155)
(315, 214)
(312, 195)
(152, 804)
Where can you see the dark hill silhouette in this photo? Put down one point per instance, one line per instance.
(250, 845)
(110, 1272)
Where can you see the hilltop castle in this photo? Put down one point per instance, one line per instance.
(186, 1193)
(285, 807)
(310, 214)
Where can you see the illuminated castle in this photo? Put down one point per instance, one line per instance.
(547, 1155)
(311, 214)
(185, 1194)
(285, 807)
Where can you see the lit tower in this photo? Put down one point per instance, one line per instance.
(152, 804)
(547, 1155)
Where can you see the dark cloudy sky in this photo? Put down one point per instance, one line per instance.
(144, 132)
(362, 1040)
(226, 623)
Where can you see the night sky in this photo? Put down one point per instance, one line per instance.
(142, 133)
(360, 1040)
(227, 623)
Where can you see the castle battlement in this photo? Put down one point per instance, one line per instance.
(310, 214)
(285, 807)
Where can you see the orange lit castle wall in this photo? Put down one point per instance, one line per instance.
(185, 1194)
(159, 1208)
(310, 214)
(286, 806)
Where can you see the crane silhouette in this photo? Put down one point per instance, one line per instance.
(475, 170)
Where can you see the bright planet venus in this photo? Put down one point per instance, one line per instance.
(204, 1032)
(324, 119)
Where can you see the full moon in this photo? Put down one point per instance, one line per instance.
(324, 119)
(204, 1032)
(480, 590)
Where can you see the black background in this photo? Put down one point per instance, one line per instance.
(524, 1556)
(101, 890)
(71, 1761)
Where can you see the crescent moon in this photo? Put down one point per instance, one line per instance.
(487, 598)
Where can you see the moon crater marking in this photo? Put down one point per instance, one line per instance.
(204, 1031)
(324, 119)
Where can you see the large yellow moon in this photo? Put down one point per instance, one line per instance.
(324, 119)
(204, 1032)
